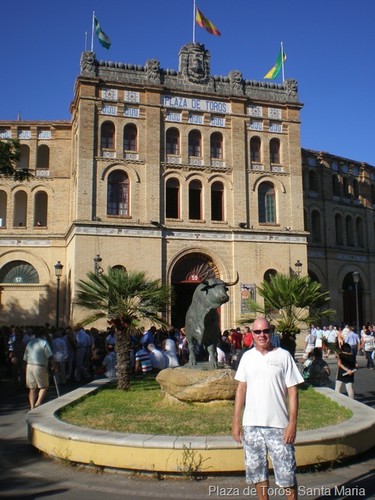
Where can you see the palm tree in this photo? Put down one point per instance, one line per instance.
(124, 298)
(291, 303)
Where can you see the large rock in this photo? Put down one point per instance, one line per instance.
(197, 386)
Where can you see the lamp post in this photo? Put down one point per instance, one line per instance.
(97, 268)
(356, 281)
(298, 266)
(58, 272)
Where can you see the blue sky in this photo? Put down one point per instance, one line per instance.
(329, 45)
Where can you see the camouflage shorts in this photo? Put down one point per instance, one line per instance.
(260, 440)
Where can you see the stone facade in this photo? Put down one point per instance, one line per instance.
(180, 174)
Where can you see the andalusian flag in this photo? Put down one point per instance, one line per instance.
(203, 22)
(275, 70)
(102, 37)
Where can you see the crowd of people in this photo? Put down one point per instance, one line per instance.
(265, 375)
(80, 354)
(345, 345)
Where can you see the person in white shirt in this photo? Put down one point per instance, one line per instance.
(170, 354)
(83, 343)
(267, 376)
(331, 336)
(158, 361)
(60, 356)
(109, 362)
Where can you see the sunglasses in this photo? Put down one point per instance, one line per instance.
(258, 332)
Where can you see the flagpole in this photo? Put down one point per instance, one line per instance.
(282, 61)
(194, 11)
(92, 31)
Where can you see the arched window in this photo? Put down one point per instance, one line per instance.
(24, 162)
(339, 229)
(268, 275)
(275, 151)
(266, 203)
(360, 233)
(20, 209)
(305, 221)
(3, 208)
(335, 185)
(118, 193)
(107, 136)
(172, 199)
(313, 181)
(18, 271)
(372, 194)
(349, 231)
(355, 189)
(195, 200)
(172, 141)
(130, 137)
(217, 201)
(42, 157)
(255, 149)
(316, 231)
(120, 268)
(40, 209)
(195, 143)
(345, 187)
(216, 146)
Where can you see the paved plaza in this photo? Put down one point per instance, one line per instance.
(25, 473)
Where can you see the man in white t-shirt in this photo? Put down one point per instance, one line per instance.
(267, 376)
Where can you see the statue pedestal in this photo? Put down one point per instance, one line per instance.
(194, 385)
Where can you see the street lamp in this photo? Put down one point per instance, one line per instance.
(97, 268)
(298, 266)
(356, 281)
(58, 273)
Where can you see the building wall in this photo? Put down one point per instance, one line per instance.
(173, 248)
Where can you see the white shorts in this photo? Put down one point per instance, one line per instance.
(258, 441)
(36, 377)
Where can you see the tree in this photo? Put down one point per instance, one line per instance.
(124, 298)
(10, 154)
(292, 303)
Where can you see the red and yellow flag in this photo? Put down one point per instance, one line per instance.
(203, 22)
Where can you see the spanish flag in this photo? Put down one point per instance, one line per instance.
(203, 22)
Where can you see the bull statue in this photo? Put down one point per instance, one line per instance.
(202, 318)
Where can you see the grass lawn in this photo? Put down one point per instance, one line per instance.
(141, 410)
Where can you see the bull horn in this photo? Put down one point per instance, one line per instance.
(234, 282)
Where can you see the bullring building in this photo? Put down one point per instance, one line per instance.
(183, 175)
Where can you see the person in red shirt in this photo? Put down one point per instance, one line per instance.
(236, 341)
(247, 339)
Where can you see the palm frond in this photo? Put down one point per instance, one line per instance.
(292, 302)
(127, 296)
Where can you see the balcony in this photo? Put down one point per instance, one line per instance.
(108, 153)
(218, 163)
(174, 159)
(131, 155)
(196, 161)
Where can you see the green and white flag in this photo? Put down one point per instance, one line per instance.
(102, 37)
(279, 65)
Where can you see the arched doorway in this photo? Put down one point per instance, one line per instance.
(349, 301)
(187, 273)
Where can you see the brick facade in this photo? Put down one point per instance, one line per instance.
(175, 173)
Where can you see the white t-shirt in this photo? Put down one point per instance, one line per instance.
(268, 378)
